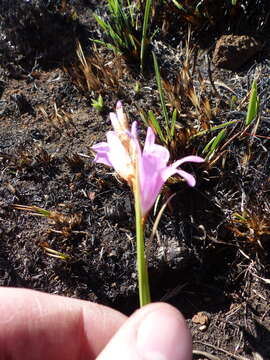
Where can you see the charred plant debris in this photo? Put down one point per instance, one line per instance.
(39, 32)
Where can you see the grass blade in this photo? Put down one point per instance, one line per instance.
(144, 31)
(252, 105)
(179, 5)
(211, 147)
(217, 127)
(208, 145)
(174, 117)
(155, 125)
(161, 95)
(144, 117)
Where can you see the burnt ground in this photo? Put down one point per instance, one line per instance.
(210, 265)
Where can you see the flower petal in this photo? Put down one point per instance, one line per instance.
(122, 151)
(150, 182)
(155, 150)
(119, 119)
(114, 121)
(153, 160)
(190, 158)
(149, 140)
(134, 129)
(190, 179)
(120, 111)
(119, 157)
(102, 151)
(172, 169)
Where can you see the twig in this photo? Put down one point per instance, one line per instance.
(208, 355)
(222, 350)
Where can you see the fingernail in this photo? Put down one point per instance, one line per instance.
(163, 336)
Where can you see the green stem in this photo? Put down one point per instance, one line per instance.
(143, 280)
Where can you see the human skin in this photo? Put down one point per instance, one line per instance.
(37, 326)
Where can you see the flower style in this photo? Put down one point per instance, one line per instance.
(122, 151)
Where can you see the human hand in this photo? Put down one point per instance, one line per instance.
(38, 326)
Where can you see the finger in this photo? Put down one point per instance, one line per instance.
(155, 332)
(34, 325)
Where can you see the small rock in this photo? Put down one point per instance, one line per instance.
(232, 51)
(200, 318)
(203, 327)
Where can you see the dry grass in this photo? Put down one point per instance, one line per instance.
(95, 73)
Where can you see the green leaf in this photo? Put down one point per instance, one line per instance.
(144, 118)
(217, 141)
(161, 96)
(155, 125)
(252, 105)
(214, 128)
(144, 31)
(101, 22)
(174, 117)
(207, 147)
(212, 146)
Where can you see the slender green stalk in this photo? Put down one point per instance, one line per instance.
(253, 104)
(144, 31)
(162, 99)
(143, 280)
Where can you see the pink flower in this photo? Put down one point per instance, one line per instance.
(122, 151)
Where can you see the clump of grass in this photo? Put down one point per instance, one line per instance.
(65, 224)
(95, 73)
(252, 226)
(59, 119)
(54, 253)
(218, 143)
(192, 115)
(189, 99)
(29, 158)
(125, 31)
(185, 108)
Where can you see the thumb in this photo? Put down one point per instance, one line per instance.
(155, 332)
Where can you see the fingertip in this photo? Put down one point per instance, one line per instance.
(163, 334)
(158, 331)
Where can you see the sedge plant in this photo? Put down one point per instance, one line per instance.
(65, 222)
(145, 170)
(213, 145)
(125, 32)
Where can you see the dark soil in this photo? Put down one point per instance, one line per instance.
(202, 259)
